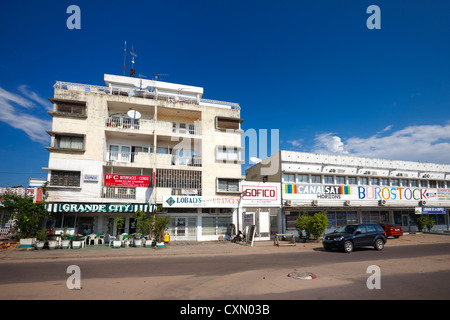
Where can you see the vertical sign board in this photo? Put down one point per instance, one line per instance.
(251, 235)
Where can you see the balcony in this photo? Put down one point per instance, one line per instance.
(151, 126)
(145, 159)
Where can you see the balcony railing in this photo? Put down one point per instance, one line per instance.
(119, 193)
(145, 94)
(162, 127)
(144, 159)
(123, 123)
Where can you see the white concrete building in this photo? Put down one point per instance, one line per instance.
(134, 143)
(356, 189)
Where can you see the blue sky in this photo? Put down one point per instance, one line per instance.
(311, 69)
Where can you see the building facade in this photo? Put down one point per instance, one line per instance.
(356, 189)
(136, 143)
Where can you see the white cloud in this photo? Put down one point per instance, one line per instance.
(427, 143)
(328, 143)
(26, 119)
(35, 97)
(296, 143)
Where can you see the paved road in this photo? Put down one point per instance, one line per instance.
(407, 272)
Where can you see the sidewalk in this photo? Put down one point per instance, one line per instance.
(194, 248)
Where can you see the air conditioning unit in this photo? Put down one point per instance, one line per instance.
(382, 202)
(288, 203)
(346, 202)
(422, 203)
(399, 174)
(315, 202)
(332, 170)
(426, 176)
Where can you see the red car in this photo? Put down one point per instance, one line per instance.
(391, 230)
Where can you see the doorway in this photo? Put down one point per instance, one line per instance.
(405, 222)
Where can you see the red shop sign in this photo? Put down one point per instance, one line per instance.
(125, 180)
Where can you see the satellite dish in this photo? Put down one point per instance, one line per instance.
(255, 160)
(134, 114)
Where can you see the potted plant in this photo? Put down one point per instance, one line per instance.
(65, 241)
(120, 223)
(143, 227)
(137, 240)
(52, 243)
(77, 243)
(41, 236)
(160, 226)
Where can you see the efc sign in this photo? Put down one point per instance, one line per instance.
(120, 180)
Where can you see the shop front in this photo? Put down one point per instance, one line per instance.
(200, 218)
(98, 218)
(260, 206)
(346, 204)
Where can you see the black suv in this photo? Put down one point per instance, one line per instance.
(354, 236)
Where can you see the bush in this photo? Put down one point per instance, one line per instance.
(313, 226)
(430, 224)
(421, 222)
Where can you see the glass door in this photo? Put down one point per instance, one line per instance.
(405, 222)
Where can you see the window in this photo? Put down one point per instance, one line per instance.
(288, 177)
(340, 180)
(363, 181)
(73, 109)
(374, 181)
(395, 182)
(69, 142)
(405, 183)
(351, 180)
(227, 185)
(228, 123)
(227, 154)
(424, 183)
(186, 179)
(328, 179)
(414, 183)
(316, 179)
(65, 178)
(212, 226)
(432, 184)
(441, 184)
(302, 178)
(384, 182)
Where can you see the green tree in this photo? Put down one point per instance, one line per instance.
(25, 212)
(301, 224)
(421, 222)
(317, 224)
(430, 224)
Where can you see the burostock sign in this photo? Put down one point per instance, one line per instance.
(293, 191)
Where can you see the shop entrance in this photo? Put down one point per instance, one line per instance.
(405, 222)
(183, 228)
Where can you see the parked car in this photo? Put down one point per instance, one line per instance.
(391, 230)
(355, 236)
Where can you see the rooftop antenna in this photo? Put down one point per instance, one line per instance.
(124, 57)
(134, 55)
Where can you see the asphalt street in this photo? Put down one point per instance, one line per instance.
(419, 271)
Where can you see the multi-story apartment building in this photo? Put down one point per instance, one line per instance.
(135, 143)
(356, 189)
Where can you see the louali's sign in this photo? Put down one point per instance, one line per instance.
(121, 180)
